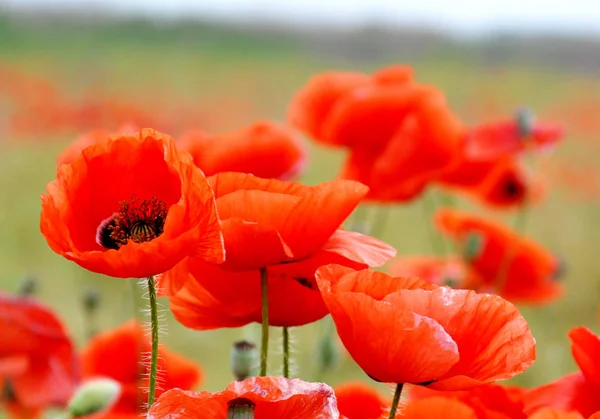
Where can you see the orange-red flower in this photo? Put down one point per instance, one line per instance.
(516, 267)
(264, 149)
(267, 397)
(511, 136)
(119, 354)
(550, 413)
(438, 407)
(403, 330)
(438, 270)
(578, 391)
(288, 228)
(88, 139)
(357, 400)
(400, 135)
(131, 206)
(38, 362)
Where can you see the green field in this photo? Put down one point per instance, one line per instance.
(198, 68)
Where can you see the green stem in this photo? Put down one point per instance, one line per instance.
(264, 348)
(396, 400)
(286, 352)
(154, 356)
(429, 206)
(381, 218)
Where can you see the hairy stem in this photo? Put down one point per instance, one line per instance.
(154, 356)
(264, 348)
(396, 400)
(286, 352)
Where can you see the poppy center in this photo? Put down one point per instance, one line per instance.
(137, 220)
(512, 189)
(240, 408)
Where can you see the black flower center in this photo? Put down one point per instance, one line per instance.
(512, 189)
(137, 220)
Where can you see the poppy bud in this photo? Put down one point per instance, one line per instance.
(94, 396)
(244, 360)
(29, 286)
(473, 245)
(525, 121)
(91, 299)
(240, 408)
(560, 270)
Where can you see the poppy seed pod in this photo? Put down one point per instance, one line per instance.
(93, 397)
(525, 121)
(244, 360)
(240, 408)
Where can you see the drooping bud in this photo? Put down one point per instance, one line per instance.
(29, 286)
(525, 120)
(244, 360)
(91, 299)
(240, 408)
(94, 396)
(473, 245)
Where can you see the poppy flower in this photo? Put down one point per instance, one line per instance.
(38, 362)
(404, 330)
(516, 267)
(117, 354)
(550, 413)
(501, 182)
(356, 400)
(578, 391)
(438, 407)
(205, 296)
(88, 139)
(439, 270)
(131, 206)
(509, 137)
(490, 401)
(266, 397)
(264, 149)
(388, 123)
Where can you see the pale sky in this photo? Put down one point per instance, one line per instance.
(460, 16)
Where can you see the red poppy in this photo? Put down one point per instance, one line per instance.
(490, 401)
(501, 182)
(438, 407)
(38, 363)
(88, 139)
(132, 206)
(403, 330)
(205, 296)
(264, 149)
(578, 391)
(117, 354)
(516, 267)
(550, 413)
(266, 397)
(512, 136)
(439, 270)
(388, 123)
(356, 400)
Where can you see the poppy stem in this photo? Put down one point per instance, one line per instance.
(429, 205)
(396, 400)
(264, 348)
(381, 219)
(154, 355)
(286, 352)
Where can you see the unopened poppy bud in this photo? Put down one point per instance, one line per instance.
(91, 299)
(473, 245)
(29, 286)
(240, 408)
(94, 396)
(525, 120)
(244, 360)
(560, 270)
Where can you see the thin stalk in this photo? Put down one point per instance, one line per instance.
(396, 400)
(381, 219)
(286, 352)
(429, 206)
(264, 348)
(154, 356)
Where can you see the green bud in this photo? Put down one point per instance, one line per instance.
(473, 245)
(94, 396)
(240, 408)
(244, 360)
(525, 121)
(91, 299)
(29, 286)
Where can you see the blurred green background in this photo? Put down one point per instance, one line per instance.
(233, 74)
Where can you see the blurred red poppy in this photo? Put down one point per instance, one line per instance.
(357, 400)
(550, 413)
(118, 354)
(438, 407)
(438, 270)
(132, 206)
(442, 338)
(509, 137)
(264, 149)
(89, 139)
(574, 392)
(490, 401)
(387, 122)
(38, 362)
(516, 267)
(266, 397)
